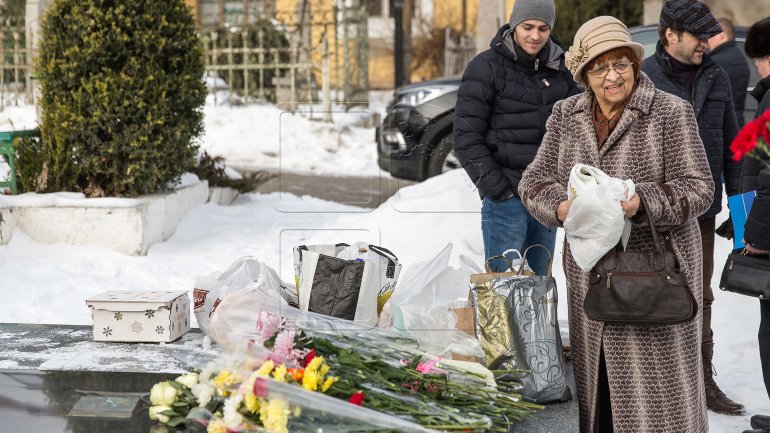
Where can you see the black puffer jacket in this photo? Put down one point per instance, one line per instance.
(502, 105)
(713, 105)
(757, 177)
(729, 57)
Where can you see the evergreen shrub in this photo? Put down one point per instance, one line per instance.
(122, 97)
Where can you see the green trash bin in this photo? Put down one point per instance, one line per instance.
(7, 152)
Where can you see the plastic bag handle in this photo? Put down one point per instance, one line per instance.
(550, 259)
(227, 273)
(505, 259)
(304, 247)
(390, 272)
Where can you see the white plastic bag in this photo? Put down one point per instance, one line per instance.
(595, 222)
(211, 289)
(423, 300)
(344, 281)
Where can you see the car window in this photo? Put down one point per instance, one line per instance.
(647, 37)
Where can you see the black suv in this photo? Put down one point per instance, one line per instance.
(415, 139)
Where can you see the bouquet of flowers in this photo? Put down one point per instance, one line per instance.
(299, 371)
(753, 140)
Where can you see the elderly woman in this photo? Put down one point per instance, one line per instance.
(629, 378)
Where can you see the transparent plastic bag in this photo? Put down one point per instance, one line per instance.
(595, 222)
(211, 289)
(423, 302)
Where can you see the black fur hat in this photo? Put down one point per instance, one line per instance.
(758, 39)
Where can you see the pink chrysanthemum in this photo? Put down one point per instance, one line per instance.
(268, 324)
(284, 345)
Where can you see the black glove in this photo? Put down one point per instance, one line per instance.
(725, 230)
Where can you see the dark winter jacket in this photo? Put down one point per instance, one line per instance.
(729, 57)
(502, 105)
(757, 177)
(713, 105)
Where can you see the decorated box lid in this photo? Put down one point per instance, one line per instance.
(134, 300)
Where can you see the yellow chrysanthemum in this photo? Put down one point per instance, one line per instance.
(310, 380)
(315, 363)
(274, 415)
(279, 374)
(324, 369)
(266, 368)
(328, 383)
(217, 425)
(251, 402)
(224, 380)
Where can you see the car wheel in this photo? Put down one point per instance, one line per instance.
(443, 158)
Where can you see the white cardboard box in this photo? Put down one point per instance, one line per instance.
(140, 315)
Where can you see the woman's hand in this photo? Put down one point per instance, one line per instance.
(755, 251)
(630, 207)
(562, 210)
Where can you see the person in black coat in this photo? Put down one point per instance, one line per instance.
(756, 176)
(681, 67)
(506, 95)
(726, 54)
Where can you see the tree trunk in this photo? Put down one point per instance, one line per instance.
(406, 23)
(487, 20)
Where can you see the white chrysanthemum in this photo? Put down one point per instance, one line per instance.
(230, 413)
(203, 392)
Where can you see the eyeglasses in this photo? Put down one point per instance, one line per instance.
(603, 70)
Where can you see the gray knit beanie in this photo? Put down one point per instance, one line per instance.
(524, 10)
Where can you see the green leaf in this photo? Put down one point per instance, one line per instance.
(175, 421)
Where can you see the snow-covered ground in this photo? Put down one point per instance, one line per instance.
(49, 283)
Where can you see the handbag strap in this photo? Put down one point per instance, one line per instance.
(550, 259)
(668, 244)
(392, 259)
(653, 228)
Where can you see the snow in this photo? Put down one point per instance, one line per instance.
(49, 283)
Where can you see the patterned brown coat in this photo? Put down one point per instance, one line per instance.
(655, 373)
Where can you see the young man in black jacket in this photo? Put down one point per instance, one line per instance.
(680, 66)
(724, 51)
(505, 98)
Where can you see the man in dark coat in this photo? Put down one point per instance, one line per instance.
(505, 98)
(680, 66)
(756, 176)
(726, 54)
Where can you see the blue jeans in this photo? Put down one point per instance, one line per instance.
(507, 224)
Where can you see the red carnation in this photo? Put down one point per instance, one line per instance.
(357, 398)
(753, 134)
(309, 357)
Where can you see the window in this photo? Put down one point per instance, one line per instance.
(374, 8)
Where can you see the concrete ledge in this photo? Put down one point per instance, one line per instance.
(7, 223)
(223, 196)
(128, 226)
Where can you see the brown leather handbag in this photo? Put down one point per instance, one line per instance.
(642, 288)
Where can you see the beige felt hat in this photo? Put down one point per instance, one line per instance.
(595, 37)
